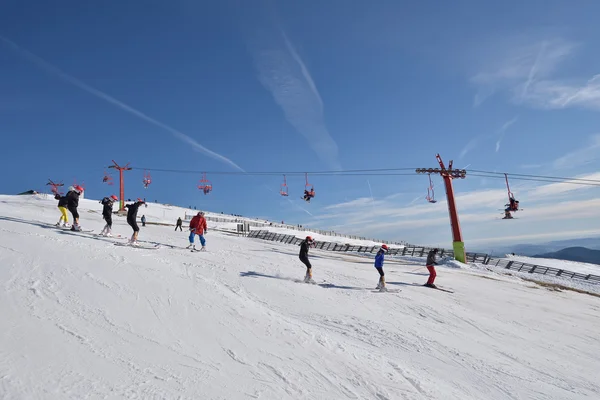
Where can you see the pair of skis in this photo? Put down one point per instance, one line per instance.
(137, 246)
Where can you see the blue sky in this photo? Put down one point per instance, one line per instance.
(313, 86)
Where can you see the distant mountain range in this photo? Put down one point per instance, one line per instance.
(580, 254)
(531, 250)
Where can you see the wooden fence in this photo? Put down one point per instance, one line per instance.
(408, 251)
(541, 269)
(419, 251)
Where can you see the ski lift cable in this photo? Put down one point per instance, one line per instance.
(566, 180)
(392, 172)
(501, 174)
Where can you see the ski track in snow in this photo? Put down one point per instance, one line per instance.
(82, 318)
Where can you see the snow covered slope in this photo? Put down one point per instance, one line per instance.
(83, 318)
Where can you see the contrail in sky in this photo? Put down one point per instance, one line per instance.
(40, 62)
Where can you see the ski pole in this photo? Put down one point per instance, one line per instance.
(416, 269)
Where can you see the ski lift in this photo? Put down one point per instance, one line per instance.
(147, 179)
(430, 193)
(284, 188)
(513, 204)
(205, 184)
(308, 194)
(107, 178)
(55, 186)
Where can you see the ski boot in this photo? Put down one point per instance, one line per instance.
(308, 278)
(431, 285)
(381, 285)
(76, 228)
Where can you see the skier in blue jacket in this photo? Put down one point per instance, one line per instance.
(379, 258)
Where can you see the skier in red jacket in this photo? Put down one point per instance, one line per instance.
(198, 227)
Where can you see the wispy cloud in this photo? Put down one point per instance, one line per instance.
(526, 71)
(563, 188)
(371, 192)
(285, 75)
(502, 132)
(471, 144)
(520, 66)
(474, 142)
(43, 64)
(557, 94)
(590, 152)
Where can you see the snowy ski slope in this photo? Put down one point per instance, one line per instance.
(82, 318)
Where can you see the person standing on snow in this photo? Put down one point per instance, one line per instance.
(379, 258)
(62, 206)
(431, 261)
(131, 219)
(144, 218)
(198, 227)
(73, 203)
(107, 210)
(179, 224)
(303, 255)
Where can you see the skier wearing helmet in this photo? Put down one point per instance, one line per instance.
(107, 210)
(379, 258)
(304, 246)
(431, 261)
(131, 219)
(198, 227)
(72, 204)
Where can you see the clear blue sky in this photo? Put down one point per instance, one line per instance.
(312, 86)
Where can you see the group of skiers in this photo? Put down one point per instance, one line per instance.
(70, 202)
(198, 227)
(132, 210)
(379, 260)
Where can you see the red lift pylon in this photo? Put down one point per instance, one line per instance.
(121, 183)
(448, 174)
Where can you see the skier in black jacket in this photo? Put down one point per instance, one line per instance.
(304, 246)
(107, 210)
(73, 203)
(131, 219)
(179, 224)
